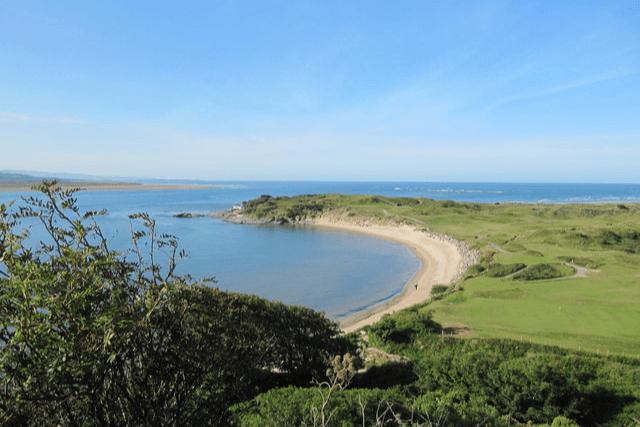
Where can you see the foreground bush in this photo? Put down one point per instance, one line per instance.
(404, 327)
(89, 338)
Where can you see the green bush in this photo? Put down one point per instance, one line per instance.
(561, 421)
(475, 269)
(526, 381)
(405, 201)
(89, 338)
(581, 261)
(294, 407)
(403, 327)
(501, 270)
(539, 272)
(438, 289)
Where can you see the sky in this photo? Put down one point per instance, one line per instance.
(482, 91)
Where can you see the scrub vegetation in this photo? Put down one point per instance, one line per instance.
(93, 337)
(548, 347)
(524, 286)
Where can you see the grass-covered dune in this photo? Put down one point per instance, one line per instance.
(566, 275)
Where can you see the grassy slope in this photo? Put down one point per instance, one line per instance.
(598, 313)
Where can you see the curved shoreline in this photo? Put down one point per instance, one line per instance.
(444, 260)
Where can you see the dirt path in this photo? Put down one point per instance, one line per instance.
(580, 272)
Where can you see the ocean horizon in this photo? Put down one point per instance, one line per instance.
(335, 272)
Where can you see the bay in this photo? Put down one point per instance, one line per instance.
(335, 272)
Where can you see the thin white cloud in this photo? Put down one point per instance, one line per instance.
(598, 78)
(10, 116)
(66, 119)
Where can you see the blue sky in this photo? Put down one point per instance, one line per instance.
(323, 90)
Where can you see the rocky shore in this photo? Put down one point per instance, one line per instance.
(468, 256)
(236, 217)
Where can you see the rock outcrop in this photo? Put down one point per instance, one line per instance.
(468, 256)
(187, 215)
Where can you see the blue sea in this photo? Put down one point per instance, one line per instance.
(335, 272)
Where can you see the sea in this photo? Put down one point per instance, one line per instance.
(338, 273)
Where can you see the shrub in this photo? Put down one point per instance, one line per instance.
(438, 289)
(539, 272)
(405, 201)
(403, 327)
(90, 338)
(294, 407)
(475, 269)
(581, 261)
(561, 421)
(501, 270)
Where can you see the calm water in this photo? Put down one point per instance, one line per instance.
(338, 273)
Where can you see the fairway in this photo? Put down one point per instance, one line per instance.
(598, 313)
(523, 287)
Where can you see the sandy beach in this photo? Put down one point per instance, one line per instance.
(441, 263)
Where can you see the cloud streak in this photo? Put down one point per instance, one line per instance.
(588, 81)
(67, 119)
(10, 116)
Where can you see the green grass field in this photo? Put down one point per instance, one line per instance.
(599, 313)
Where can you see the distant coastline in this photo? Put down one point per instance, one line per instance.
(105, 186)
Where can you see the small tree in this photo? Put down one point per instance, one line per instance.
(88, 337)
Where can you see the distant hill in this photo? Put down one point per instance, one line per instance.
(36, 176)
(22, 180)
(14, 177)
(39, 176)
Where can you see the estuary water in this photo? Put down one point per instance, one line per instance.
(335, 272)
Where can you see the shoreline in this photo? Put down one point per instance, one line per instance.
(444, 260)
(85, 186)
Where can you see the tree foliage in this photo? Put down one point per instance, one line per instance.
(90, 337)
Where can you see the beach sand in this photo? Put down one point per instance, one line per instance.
(441, 263)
